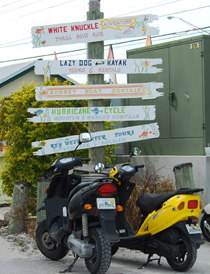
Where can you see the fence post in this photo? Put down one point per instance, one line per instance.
(184, 175)
(42, 183)
(18, 211)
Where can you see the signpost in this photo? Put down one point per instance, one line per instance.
(95, 50)
(93, 31)
(83, 92)
(92, 114)
(98, 66)
(99, 139)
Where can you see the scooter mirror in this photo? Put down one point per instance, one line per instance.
(136, 151)
(99, 167)
(85, 137)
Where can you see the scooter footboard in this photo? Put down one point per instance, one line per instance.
(107, 221)
(56, 216)
(193, 231)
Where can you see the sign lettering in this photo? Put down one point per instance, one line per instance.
(144, 91)
(91, 114)
(101, 138)
(93, 30)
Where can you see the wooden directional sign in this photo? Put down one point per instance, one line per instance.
(144, 91)
(92, 114)
(93, 30)
(101, 138)
(98, 66)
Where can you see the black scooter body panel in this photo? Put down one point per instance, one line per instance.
(107, 221)
(77, 202)
(196, 238)
(57, 201)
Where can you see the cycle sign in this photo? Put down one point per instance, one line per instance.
(92, 114)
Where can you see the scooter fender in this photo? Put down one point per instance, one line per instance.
(107, 221)
(206, 209)
(195, 238)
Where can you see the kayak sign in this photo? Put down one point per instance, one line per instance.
(98, 66)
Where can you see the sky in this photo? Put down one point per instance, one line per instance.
(17, 17)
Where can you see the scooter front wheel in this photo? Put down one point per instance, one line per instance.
(101, 259)
(205, 226)
(48, 247)
(187, 255)
(114, 249)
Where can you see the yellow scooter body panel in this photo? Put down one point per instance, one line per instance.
(169, 214)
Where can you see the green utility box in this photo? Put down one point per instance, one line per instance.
(183, 113)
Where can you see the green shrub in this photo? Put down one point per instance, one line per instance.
(20, 163)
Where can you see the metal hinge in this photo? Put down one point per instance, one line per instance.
(202, 53)
(203, 125)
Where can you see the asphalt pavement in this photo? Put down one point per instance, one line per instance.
(15, 261)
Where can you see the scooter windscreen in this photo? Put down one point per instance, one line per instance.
(66, 163)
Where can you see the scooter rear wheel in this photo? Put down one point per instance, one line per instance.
(205, 223)
(101, 259)
(187, 255)
(48, 247)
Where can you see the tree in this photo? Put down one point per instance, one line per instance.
(20, 163)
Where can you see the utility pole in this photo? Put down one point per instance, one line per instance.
(96, 51)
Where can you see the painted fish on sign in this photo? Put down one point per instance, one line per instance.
(90, 114)
(93, 30)
(141, 90)
(98, 66)
(101, 138)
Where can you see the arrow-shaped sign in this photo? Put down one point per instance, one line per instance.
(93, 30)
(92, 114)
(82, 92)
(98, 66)
(101, 138)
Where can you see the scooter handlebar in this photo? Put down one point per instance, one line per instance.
(140, 166)
(85, 159)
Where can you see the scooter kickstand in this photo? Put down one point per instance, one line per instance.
(71, 266)
(150, 260)
(147, 262)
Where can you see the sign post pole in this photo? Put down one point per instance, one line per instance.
(96, 51)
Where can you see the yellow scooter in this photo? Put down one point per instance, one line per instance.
(169, 224)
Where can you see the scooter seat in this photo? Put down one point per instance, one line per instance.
(150, 201)
(78, 187)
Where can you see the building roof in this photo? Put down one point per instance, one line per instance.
(12, 72)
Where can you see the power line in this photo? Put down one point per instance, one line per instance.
(23, 6)
(1, 45)
(6, 30)
(185, 11)
(9, 4)
(153, 7)
(114, 44)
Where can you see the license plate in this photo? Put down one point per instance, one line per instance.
(106, 203)
(193, 228)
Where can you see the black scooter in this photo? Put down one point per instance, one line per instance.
(80, 216)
